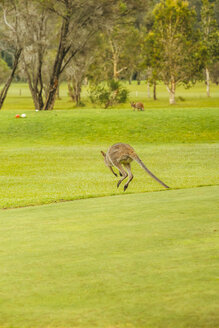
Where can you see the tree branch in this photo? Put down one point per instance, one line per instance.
(6, 22)
(122, 69)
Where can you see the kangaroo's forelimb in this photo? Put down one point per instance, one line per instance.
(111, 169)
(114, 173)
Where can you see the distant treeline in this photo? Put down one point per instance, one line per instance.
(49, 41)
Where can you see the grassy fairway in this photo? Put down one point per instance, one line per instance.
(19, 97)
(143, 259)
(53, 156)
(146, 260)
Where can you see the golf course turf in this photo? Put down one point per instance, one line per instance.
(54, 156)
(75, 251)
(145, 260)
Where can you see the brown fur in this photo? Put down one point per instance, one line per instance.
(120, 156)
(138, 105)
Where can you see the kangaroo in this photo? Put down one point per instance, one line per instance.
(138, 105)
(121, 155)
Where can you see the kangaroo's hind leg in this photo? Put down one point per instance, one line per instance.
(122, 171)
(128, 168)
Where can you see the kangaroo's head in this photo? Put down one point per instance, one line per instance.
(106, 161)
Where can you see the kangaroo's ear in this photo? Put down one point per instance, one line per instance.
(104, 154)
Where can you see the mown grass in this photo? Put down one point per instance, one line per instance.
(53, 156)
(19, 97)
(139, 260)
(92, 126)
(147, 260)
(41, 175)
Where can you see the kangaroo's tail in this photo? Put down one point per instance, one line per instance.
(137, 159)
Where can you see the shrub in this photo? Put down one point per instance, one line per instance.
(109, 94)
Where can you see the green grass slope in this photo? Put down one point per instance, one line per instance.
(98, 126)
(53, 156)
(138, 261)
(143, 259)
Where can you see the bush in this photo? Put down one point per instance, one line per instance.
(108, 95)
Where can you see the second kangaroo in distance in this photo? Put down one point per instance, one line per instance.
(138, 105)
(120, 156)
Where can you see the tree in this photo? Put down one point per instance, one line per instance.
(108, 94)
(119, 48)
(79, 23)
(10, 40)
(133, 53)
(210, 38)
(73, 24)
(123, 49)
(76, 74)
(30, 24)
(176, 52)
(150, 62)
(78, 69)
(36, 59)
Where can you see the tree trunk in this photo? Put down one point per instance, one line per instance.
(172, 97)
(36, 94)
(70, 91)
(37, 98)
(78, 93)
(130, 77)
(4, 91)
(148, 84)
(74, 91)
(207, 81)
(171, 91)
(115, 72)
(155, 90)
(58, 93)
(57, 67)
(78, 98)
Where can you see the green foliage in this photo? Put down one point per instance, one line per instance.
(209, 32)
(108, 94)
(118, 54)
(216, 10)
(123, 7)
(8, 57)
(122, 96)
(214, 71)
(4, 70)
(173, 48)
